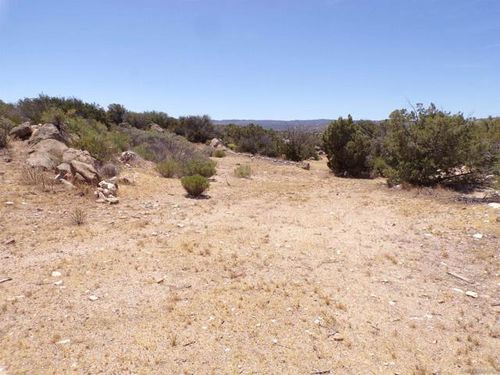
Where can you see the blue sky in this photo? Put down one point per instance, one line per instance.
(259, 59)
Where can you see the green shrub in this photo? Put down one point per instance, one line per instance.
(243, 171)
(219, 153)
(168, 168)
(144, 152)
(253, 139)
(379, 167)
(232, 146)
(33, 108)
(205, 168)
(195, 185)
(428, 146)
(348, 148)
(195, 128)
(299, 145)
(5, 126)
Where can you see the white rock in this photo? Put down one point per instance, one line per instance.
(56, 274)
(478, 236)
(9, 203)
(93, 298)
(494, 205)
(65, 341)
(471, 294)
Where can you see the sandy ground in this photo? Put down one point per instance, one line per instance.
(289, 272)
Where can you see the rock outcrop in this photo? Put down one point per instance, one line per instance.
(84, 172)
(22, 131)
(47, 131)
(46, 154)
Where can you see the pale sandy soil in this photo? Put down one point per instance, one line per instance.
(290, 272)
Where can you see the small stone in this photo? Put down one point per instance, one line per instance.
(62, 342)
(93, 298)
(494, 205)
(471, 294)
(478, 236)
(9, 203)
(10, 241)
(338, 337)
(56, 274)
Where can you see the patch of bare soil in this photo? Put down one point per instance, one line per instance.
(289, 272)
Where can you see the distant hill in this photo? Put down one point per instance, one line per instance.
(279, 124)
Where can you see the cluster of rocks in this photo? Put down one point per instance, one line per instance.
(106, 192)
(49, 150)
(217, 143)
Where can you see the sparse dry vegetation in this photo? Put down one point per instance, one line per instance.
(243, 171)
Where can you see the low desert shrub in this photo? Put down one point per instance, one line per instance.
(78, 216)
(109, 170)
(243, 171)
(144, 152)
(37, 177)
(168, 168)
(195, 185)
(205, 168)
(219, 153)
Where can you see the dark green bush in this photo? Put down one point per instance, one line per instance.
(348, 148)
(195, 185)
(253, 139)
(116, 113)
(33, 108)
(169, 168)
(299, 145)
(428, 146)
(195, 128)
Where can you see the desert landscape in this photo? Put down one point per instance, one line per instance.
(289, 271)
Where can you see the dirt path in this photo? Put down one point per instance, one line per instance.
(290, 272)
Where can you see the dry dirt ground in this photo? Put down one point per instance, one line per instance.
(289, 272)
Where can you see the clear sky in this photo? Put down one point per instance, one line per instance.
(258, 59)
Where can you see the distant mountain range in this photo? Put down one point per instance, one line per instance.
(279, 124)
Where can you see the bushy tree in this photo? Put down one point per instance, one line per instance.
(348, 148)
(116, 113)
(428, 146)
(195, 128)
(33, 108)
(253, 138)
(299, 145)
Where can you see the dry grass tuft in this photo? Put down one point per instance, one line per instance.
(243, 171)
(37, 177)
(78, 216)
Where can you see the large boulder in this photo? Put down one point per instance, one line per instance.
(22, 131)
(84, 171)
(46, 154)
(81, 155)
(50, 146)
(216, 143)
(156, 128)
(42, 160)
(48, 131)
